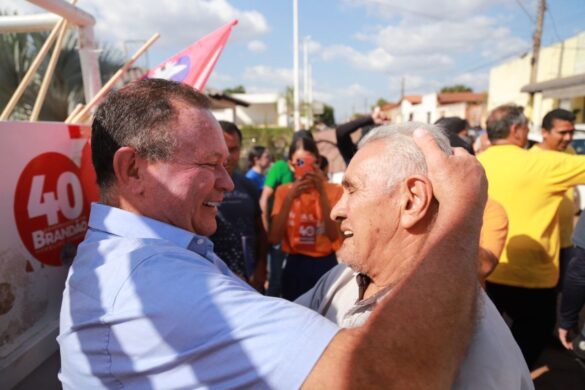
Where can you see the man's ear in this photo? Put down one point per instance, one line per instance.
(417, 195)
(515, 131)
(128, 168)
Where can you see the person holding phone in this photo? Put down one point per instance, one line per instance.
(300, 221)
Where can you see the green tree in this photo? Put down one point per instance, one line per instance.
(328, 116)
(276, 139)
(17, 52)
(456, 88)
(236, 89)
(380, 102)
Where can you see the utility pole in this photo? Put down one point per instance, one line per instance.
(534, 112)
(310, 95)
(297, 115)
(402, 89)
(536, 38)
(306, 79)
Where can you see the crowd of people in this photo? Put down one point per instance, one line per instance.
(195, 272)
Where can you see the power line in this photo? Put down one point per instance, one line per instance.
(488, 63)
(552, 19)
(528, 14)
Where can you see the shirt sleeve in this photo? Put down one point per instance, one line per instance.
(495, 228)
(564, 170)
(274, 173)
(343, 132)
(202, 321)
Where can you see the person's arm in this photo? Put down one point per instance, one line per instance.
(332, 230)
(267, 193)
(282, 205)
(259, 277)
(488, 262)
(492, 239)
(417, 337)
(343, 134)
(573, 297)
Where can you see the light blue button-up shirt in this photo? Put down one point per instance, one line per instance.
(149, 306)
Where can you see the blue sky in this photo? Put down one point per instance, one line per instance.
(359, 50)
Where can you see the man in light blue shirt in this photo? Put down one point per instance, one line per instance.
(147, 304)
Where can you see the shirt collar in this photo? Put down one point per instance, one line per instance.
(363, 281)
(123, 223)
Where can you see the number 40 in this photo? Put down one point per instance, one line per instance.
(46, 203)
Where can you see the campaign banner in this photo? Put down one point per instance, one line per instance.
(194, 64)
(47, 186)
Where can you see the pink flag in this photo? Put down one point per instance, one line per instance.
(193, 65)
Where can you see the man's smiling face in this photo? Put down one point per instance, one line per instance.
(368, 210)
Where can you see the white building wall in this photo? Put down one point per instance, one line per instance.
(560, 60)
(265, 109)
(455, 109)
(224, 114)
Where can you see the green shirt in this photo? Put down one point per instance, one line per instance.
(278, 174)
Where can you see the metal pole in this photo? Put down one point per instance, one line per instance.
(90, 68)
(306, 78)
(310, 95)
(113, 80)
(536, 38)
(28, 23)
(297, 116)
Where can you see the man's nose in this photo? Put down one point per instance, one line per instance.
(338, 211)
(224, 180)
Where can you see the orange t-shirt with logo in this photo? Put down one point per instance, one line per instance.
(305, 228)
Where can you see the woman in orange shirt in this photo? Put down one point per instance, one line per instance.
(301, 222)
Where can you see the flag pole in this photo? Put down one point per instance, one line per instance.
(297, 116)
(34, 116)
(113, 80)
(31, 71)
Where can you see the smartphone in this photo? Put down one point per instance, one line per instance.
(304, 165)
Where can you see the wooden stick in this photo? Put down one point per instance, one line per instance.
(48, 74)
(75, 111)
(31, 71)
(106, 88)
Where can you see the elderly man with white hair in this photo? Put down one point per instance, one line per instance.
(387, 213)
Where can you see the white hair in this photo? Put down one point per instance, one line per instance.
(402, 156)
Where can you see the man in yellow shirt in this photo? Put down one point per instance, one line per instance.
(558, 127)
(530, 187)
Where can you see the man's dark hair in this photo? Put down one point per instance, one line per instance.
(452, 124)
(302, 133)
(557, 114)
(139, 115)
(502, 118)
(231, 128)
(255, 153)
(305, 143)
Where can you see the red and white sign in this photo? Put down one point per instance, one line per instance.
(50, 209)
(47, 185)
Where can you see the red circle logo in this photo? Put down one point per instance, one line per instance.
(50, 209)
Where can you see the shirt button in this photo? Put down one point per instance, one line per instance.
(200, 241)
